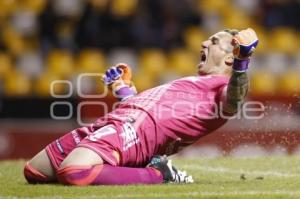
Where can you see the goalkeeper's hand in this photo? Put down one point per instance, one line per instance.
(244, 44)
(116, 75)
(118, 79)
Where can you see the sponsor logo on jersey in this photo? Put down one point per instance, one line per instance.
(129, 136)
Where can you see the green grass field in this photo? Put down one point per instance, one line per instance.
(267, 177)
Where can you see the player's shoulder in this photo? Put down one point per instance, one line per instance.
(200, 83)
(204, 79)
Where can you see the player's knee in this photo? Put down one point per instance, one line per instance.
(79, 167)
(66, 175)
(33, 176)
(77, 175)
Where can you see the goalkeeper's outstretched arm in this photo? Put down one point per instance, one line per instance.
(244, 44)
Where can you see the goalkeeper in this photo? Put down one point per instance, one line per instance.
(126, 145)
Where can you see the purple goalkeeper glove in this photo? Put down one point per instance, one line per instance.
(112, 75)
(118, 79)
(244, 44)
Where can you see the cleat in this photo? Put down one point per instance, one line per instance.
(182, 176)
(169, 172)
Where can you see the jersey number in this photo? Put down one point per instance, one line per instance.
(104, 131)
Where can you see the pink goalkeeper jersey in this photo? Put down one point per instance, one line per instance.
(171, 116)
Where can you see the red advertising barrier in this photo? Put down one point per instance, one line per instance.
(25, 144)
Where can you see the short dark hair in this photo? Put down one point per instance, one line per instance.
(233, 32)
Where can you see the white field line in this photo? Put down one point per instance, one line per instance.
(272, 173)
(174, 195)
(211, 194)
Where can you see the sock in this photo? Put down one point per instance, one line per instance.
(33, 176)
(108, 175)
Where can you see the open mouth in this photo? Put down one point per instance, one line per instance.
(202, 56)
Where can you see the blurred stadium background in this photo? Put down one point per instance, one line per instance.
(42, 41)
